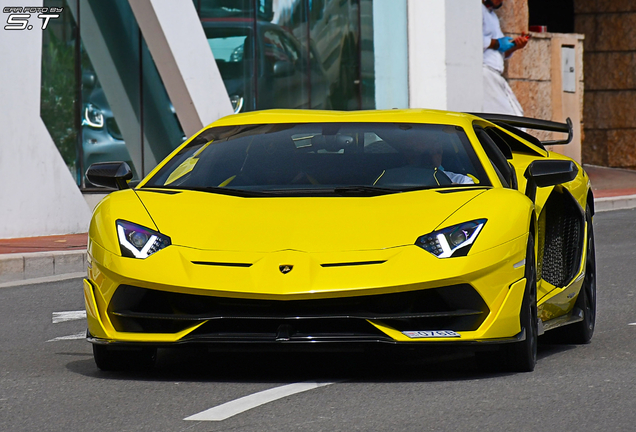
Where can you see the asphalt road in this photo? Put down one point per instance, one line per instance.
(52, 384)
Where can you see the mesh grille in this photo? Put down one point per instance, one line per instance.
(563, 240)
(540, 244)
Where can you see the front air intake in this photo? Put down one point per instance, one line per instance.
(458, 308)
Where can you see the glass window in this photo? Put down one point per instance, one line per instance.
(111, 67)
(316, 158)
(499, 162)
(334, 31)
(367, 56)
(229, 48)
(284, 77)
(231, 42)
(306, 53)
(273, 49)
(126, 112)
(103, 99)
(233, 8)
(59, 85)
(161, 128)
(284, 81)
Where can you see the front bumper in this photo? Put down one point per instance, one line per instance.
(369, 296)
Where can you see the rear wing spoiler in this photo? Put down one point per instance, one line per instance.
(513, 123)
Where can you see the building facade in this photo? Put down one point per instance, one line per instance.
(131, 79)
(610, 81)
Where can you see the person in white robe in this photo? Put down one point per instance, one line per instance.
(498, 96)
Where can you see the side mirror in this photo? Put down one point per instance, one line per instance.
(112, 175)
(542, 173)
(283, 68)
(89, 79)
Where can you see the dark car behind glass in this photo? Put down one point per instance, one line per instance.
(271, 70)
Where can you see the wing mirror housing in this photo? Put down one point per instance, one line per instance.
(114, 175)
(542, 173)
(283, 68)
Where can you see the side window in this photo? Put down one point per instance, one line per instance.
(500, 143)
(497, 158)
(274, 50)
(293, 52)
(514, 144)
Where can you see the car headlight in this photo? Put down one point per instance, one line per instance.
(455, 240)
(136, 241)
(93, 116)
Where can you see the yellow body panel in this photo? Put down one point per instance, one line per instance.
(117, 205)
(407, 268)
(501, 324)
(219, 222)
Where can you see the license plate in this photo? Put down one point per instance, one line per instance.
(421, 334)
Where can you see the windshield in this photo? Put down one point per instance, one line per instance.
(319, 158)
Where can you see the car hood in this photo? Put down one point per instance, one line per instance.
(211, 221)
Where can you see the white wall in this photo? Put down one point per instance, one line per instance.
(38, 195)
(445, 54)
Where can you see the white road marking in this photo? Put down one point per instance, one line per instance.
(246, 403)
(81, 335)
(634, 324)
(59, 317)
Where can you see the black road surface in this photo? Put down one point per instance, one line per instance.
(49, 384)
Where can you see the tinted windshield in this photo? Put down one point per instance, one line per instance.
(319, 157)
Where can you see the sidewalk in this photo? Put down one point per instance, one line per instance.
(42, 258)
(64, 256)
(613, 188)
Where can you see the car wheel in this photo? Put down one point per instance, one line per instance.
(108, 359)
(522, 356)
(582, 331)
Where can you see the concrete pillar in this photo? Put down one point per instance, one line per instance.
(445, 54)
(38, 194)
(185, 62)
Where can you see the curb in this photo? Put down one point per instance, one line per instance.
(614, 203)
(33, 265)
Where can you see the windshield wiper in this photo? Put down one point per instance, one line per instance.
(358, 190)
(365, 190)
(218, 190)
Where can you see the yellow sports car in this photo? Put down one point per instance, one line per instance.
(297, 227)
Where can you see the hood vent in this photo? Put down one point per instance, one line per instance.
(222, 264)
(346, 264)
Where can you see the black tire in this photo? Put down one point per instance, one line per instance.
(522, 356)
(108, 359)
(582, 331)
